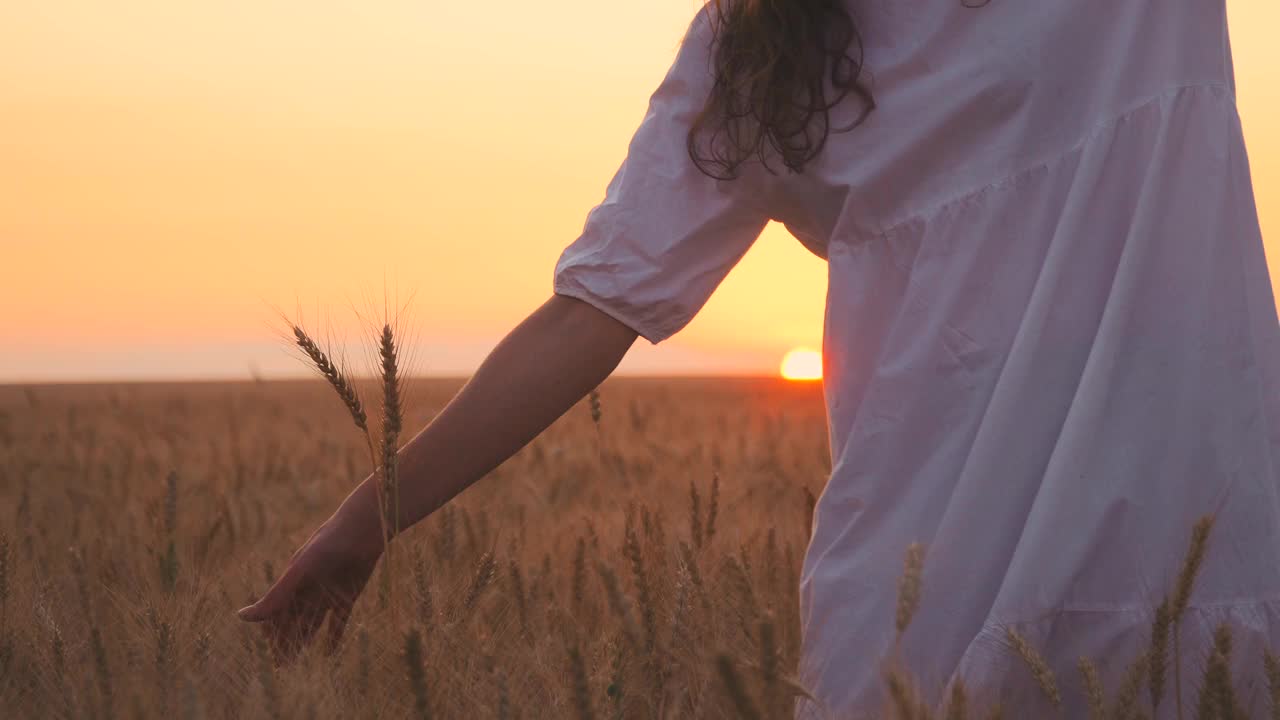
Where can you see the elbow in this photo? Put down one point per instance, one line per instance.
(595, 333)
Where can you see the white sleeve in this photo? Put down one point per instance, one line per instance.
(665, 236)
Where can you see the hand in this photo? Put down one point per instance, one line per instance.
(323, 579)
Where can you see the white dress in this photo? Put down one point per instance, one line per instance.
(1050, 346)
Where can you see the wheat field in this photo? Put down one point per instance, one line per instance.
(640, 559)
(578, 579)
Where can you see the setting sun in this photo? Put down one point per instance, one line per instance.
(802, 364)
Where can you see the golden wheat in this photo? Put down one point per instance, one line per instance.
(117, 595)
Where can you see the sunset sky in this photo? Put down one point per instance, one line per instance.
(171, 172)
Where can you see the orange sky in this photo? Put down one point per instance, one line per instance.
(169, 171)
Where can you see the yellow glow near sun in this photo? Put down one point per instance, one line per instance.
(802, 364)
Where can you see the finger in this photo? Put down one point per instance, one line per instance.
(275, 600)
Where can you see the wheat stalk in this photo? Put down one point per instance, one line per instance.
(713, 509)
(1207, 707)
(1182, 597)
(695, 515)
(267, 677)
(1039, 668)
(958, 706)
(1093, 689)
(648, 613)
(364, 667)
(504, 697)
(909, 587)
(102, 669)
(810, 507)
(733, 685)
(486, 571)
(902, 695)
(679, 614)
(579, 594)
(4, 588)
(1224, 691)
(581, 690)
(336, 377)
(426, 603)
(164, 666)
(517, 591)
(617, 686)
(618, 602)
(769, 667)
(389, 481)
(392, 424)
(417, 673)
(593, 400)
(1271, 667)
(346, 391)
(1126, 703)
(741, 582)
(1159, 652)
(169, 560)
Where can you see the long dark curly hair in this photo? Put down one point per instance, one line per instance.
(772, 60)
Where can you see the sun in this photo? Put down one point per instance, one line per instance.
(802, 364)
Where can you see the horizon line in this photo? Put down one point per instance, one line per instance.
(213, 380)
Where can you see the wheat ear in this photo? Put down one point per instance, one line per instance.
(902, 695)
(1093, 689)
(346, 390)
(1182, 596)
(581, 690)
(392, 423)
(742, 702)
(909, 586)
(389, 480)
(648, 613)
(1271, 664)
(958, 706)
(417, 673)
(1126, 704)
(1159, 652)
(336, 378)
(1039, 668)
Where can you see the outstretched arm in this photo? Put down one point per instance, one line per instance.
(539, 370)
(542, 368)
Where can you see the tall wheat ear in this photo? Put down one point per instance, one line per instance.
(1093, 689)
(337, 378)
(1040, 669)
(736, 689)
(909, 587)
(385, 459)
(392, 422)
(389, 476)
(417, 674)
(905, 700)
(1182, 597)
(1271, 665)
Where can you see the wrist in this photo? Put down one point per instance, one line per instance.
(358, 520)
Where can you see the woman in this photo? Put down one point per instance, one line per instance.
(1051, 341)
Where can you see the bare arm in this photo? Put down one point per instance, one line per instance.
(540, 370)
(543, 366)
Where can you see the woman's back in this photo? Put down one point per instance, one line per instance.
(968, 96)
(1051, 344)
